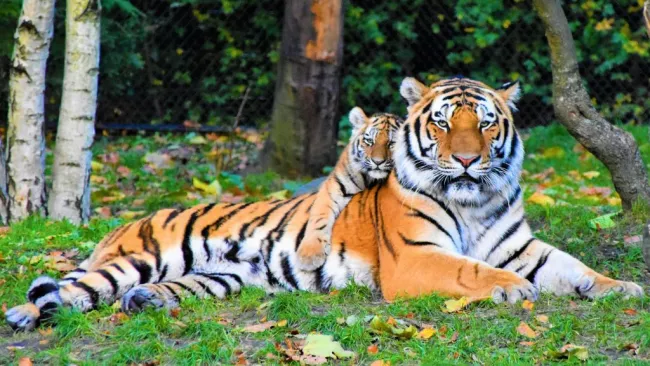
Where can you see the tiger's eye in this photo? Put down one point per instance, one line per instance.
(485, 124)
(442, 124)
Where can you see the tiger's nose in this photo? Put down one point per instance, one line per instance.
(466, 161)
(378, 161)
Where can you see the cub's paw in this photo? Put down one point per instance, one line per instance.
(522, 290)
(597, 286)
(147, 295)
(23, 317)
(313, 251)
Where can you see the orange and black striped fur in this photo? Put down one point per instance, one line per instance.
(366, 160)
(448, 219)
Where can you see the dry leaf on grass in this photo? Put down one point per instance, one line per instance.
(426, 333)
(569, 351)
(25, 361)
(453, 306)
(261, 327)
(630, 311)
(542, 318)
(373, 349)
(526, 331)
(528, 305)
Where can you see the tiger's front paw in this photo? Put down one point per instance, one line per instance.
(313, 251)
(146, 295)
(521, 289)
(598, 286)
(23, 317)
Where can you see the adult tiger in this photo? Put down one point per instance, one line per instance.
(449, 219)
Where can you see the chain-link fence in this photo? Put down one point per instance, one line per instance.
(189, 61)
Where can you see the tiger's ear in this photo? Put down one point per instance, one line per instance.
(510, 92)
(358, 118)
(412, 90)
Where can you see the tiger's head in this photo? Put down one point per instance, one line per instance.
(459, 139)
(372, 142)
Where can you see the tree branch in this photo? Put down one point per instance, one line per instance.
(613, 146)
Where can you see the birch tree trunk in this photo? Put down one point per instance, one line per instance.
(4, 199)
(70, 197)
(25, 132)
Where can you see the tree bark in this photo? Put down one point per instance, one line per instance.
(4, 198)
(70, 197)
(304, 125)
(25, 132)
(616, 148)
(646, 16)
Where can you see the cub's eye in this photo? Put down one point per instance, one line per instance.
(442, 124)
(367, 142)
(485, 124)
(391, 145)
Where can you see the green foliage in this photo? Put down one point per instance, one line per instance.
(169, 61)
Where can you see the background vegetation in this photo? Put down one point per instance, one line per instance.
(170, 61)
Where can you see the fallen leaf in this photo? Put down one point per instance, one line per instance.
(573, 304)
(324, 346)
(452, 306)
(544, 174)
(261, 327)
(553, 152)
(212, 189)
(591, 174)
(380, 363)
(25, 361)
(123, 171)
(454, 337)
(175, 312)
(43, 342)
(118, 318)
(279, 195)
(4, 307)
(630, 312)
(541, 199)
(96, 166)
(198, 140)
(378, 325)
(281, 323)
(340, 321)
(59, 263)
(373, 349)
(603, 222)
(527, 343)
(542, 318)
(526, 331)
(426, 333)
(569, 351)
(596, 191)
(45, 332)
(130, 215)
(104, 212)
(410, 316)
(632, 348)
(158, 161)
(4, 230)
(528, 305)
(241, 360)
(629, 240)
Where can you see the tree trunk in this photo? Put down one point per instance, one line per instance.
(616, 148)
(25, 132)
(70, 198)
(4, 199)
(304, 125)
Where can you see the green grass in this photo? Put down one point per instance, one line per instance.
(210, 331)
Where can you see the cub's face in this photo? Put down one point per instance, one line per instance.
(460, 137)
(373, 139)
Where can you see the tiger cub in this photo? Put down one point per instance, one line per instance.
(366, 158)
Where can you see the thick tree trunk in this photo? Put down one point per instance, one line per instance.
(70, 197)
(304, 124)
(646, 16)
(616, 148)
(25, 132)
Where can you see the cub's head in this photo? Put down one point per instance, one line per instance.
(372, 142)
(459, 139)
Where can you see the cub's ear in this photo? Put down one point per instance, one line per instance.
(412, 90)
(510, 92)
(358, 118)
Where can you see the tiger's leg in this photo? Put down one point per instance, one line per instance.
(331, 199)
(553, 270)
(425, 270)
(83, 292)
(168, 294)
